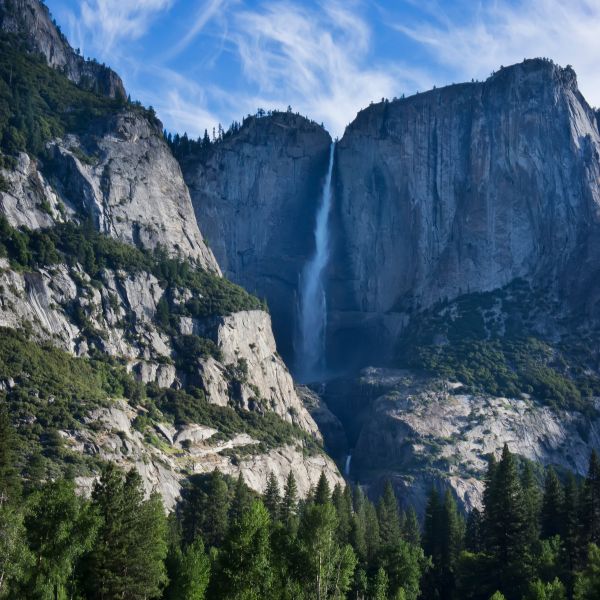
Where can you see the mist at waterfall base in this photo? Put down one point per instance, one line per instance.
(312, 307)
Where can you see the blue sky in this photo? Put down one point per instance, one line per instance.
(204, 62)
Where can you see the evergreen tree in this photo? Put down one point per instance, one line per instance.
(552, 505)
(60, 529)
(443, 543)
(241, 502)
(205, 509)
(325, 566)
(15, 558)
(10, 481)
(412, 530)
(380, 585)
(289, 504)
(587, 584)
(532, 500)
(372, 537)
(358, 526)
(244, 569)
(127, 560)
(590, 504)
(388, 517)
(432, 523)
(342, 501)
(188, 571)
(272, 497)
(569, 529)
(404, 564)
(507, 534)
(553, 590)
(474, 541)
(323, 491)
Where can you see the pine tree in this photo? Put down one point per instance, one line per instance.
(553, 590)
(507, 538)
(412, 530)
(342, 501)
(590, 504)
(60, 529)
(358, 526)
(272, 497)
(188, 571)
(587, 584)
(16, 559)
(531, 497)
(380, 585)
(289, 504)
(474, 540)
(569, 529)
(241, 502)
(323, 491)
(10, 481)
(443, 542)
(216, 509)
(372, 537)
(127, 560)
(432, 523)
(244, 570)
(388, 517)
(325, 567)
(552, 505)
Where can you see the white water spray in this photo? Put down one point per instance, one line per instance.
(313, 306)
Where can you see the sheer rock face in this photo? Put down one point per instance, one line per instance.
(463, 189)
(255, 194)
(132, 185)
(246, 337)
(123, 174)
(30, 19)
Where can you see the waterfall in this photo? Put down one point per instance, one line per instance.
(312, 306)
(347, 465)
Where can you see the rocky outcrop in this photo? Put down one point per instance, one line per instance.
(249, 373)
(246, 339)
(421, 432)
(176, 452)
(462, 189)
(31, 21)
(125, 175)
(255, 194)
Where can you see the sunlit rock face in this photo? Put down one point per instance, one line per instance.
(463, 189)
(256, 194)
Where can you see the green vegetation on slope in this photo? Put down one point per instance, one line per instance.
(38, 103)
(489, 343)
(75, 244)
(46, 390)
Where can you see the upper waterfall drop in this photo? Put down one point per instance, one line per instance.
(312, 309)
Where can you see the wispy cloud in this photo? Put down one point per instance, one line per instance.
(480, 37)
(109, 21)
(316, 60)
(207, 11)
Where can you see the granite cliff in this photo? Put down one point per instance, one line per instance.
(465, 189)
(256, 194)
(465, 238)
